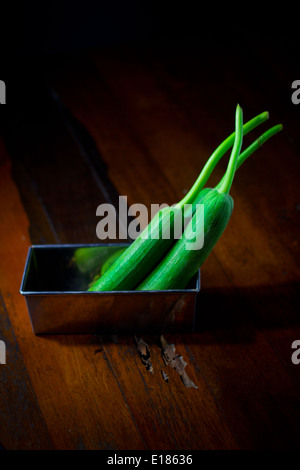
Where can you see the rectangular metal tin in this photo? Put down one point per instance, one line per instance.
(58, 302)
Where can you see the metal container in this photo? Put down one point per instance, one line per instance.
(55, 282)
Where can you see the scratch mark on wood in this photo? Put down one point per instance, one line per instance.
(176, 361)
(165, 376)
(144, 353)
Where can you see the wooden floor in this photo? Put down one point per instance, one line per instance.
(141, 121)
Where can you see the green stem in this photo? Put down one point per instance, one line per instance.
(217, 155)
(253, 147)
(229, 175)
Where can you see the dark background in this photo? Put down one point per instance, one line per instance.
(32, 33)
(31, 30)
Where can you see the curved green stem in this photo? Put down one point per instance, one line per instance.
(253, 147)
(217, 155)
(229, 175)
(258, 143)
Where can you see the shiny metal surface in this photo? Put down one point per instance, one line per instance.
(55, 283)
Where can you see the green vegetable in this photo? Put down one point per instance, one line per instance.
(110, 261)
(87, 259)
(145, 253)
(91, 259)
(141, 256)
(181, 263)
(105, 266)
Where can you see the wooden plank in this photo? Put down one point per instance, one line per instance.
(169, 415)
(126, 156)
(48, 153)
(23, 425)
(76, 390)
(253, 386)
(41, 230)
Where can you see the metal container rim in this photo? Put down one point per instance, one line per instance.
(102, 293)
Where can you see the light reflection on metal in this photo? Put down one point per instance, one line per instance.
(56, 294)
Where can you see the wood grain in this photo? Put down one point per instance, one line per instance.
(141, 121)
(76, 415)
